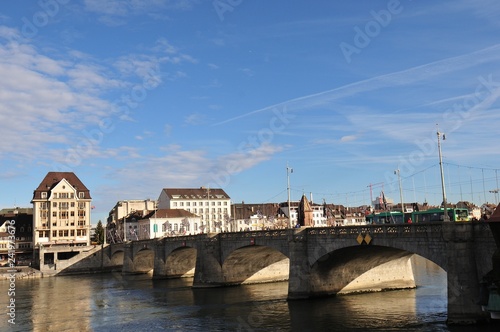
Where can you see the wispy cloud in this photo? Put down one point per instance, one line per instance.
(114, 12)
(404, 77)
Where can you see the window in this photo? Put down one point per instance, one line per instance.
(54, 233)
(219, 203)
(81, 194)
(194, 203)
(174, 203)
(181, 203)
(44, 194)
(72, 232)
(63, 195)
(54, 204)
(188, 203)
(72, 204)
(54, 214)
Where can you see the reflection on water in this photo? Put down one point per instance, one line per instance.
(111, 302)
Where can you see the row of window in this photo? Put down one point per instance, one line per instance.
(19, 246)
(66, 223)
(207, 210)
(64, 195)
(63, 233)
(62, 205)
(219, 203)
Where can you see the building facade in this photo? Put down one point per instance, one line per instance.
(213, 206)
(168, 222)
(316, 213)
(61, 211)
(126, 207)
(122, 223)
(22, 219)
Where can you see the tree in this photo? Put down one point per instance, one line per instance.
(99, 233)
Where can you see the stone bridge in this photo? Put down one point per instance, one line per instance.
(325, 261)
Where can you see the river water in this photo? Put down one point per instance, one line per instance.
(112, 302)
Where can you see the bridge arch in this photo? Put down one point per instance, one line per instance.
(361, 268)
(117, 257)
(143, 260)
(180, 262)
(255, 264)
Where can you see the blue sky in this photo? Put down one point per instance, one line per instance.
(135, 96)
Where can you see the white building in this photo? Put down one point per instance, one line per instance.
(127, 207)
(123, 218)
(168, 222)
(61, 211)
(213, 206)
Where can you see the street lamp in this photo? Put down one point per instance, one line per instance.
(495, 191)
(398, 172)
(288, 171)
(445, 216)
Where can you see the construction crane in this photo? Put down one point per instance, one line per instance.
(371, 190)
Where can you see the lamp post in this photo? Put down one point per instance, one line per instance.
(445, 207)
(398, 172)
(288, 171)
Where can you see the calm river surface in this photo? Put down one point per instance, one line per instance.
(111, 302)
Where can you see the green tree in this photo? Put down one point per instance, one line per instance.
(99, 233)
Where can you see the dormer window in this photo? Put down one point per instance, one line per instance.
(81, 195)
(44, 194)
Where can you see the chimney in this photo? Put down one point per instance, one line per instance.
(311, 197)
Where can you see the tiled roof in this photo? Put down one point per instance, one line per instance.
(195, 193)
(170, 213)
(53, 178)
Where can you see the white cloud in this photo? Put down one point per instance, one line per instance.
(348, 138)
(114, 12)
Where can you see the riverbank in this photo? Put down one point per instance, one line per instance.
(20, 272)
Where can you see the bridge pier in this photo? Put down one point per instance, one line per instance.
(128, 258)
(208, 271)
(299, 280)
(462, 275)
(159, 269)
